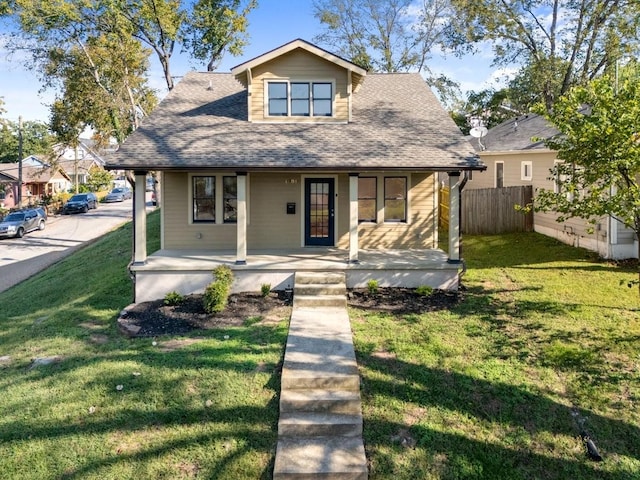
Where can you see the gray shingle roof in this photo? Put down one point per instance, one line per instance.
(525, 132)
(397, 123)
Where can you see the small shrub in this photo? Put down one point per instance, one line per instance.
(373, 286)
(265, 288)
(217, 292)
(424, 290)
(173, 298)
(223, 274)
(215, 297)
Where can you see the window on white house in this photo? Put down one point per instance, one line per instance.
(299, 99)
(204, 199)
(367, 196)
(395, 199)
(526, 170)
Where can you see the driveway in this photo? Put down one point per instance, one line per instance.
(21, 258)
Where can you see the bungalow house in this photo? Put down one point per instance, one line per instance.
(78, 161)
(38, 180)
(296, 159)
(515, 154)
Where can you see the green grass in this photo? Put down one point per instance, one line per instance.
(545, 336)
(207, 409)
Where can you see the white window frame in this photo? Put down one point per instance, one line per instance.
(526, 170)
(289, 81)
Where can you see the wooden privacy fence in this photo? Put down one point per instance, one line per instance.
(490, 211)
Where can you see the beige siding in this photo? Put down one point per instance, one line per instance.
(269, 225)
(180, 231)
(302, 66)
(419, 232)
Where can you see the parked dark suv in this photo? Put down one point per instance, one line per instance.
(16, 224)
(80, 202)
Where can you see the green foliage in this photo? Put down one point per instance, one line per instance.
(217, 292)
(265, 289)
(99, 179)
(37, 140)
(424, 290)
(600, 151)
(373, 286)
(173, 298)
(558, 44)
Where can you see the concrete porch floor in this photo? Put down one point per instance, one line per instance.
(189, 271)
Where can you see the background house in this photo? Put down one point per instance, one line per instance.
(38, 180)
(78, 161)
(515, 155)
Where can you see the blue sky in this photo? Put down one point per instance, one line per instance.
(271, 24)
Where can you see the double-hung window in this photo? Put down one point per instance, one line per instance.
(230, 199)
(367, 194)
(204, 199)
(395, 199)
(214, 194)
(299, 99)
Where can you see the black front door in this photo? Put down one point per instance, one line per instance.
(319, 212)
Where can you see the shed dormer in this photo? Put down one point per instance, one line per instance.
(299, 82)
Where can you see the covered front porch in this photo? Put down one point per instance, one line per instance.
(191, 271)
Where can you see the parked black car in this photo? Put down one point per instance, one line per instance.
(16, 224)
(80, 202)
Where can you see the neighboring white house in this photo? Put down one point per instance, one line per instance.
(77, 162)
(515, 154)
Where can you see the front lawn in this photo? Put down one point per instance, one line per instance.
(544, 339)
(545, 343)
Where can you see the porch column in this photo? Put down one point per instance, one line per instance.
(454, 217)
(241, 240)
(140, 218)
(353, 218)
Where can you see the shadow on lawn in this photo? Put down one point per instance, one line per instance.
(523, 417)
(252, 429)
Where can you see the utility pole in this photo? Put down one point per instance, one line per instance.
(20, 161)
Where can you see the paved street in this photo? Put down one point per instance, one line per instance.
(20, 258)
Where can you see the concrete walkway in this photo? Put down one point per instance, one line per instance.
(320, 427)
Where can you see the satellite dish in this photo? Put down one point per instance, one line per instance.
(478, 132)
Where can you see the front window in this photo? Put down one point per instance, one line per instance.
(367, 192)
(278, 105)
(300, 99)
(230, 199)
(395, 199)
(204, 199)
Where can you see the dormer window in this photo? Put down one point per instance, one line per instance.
(299, 99)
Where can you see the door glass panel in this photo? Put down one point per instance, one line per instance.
(319, 210)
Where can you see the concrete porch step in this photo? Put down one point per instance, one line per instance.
(314, 380)
(314, 424)
(319, 277)
(325, 458)
(321, 401)
(320, 289)
(319, 301)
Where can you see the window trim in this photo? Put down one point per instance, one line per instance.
(526, 165)
(406, 198)
(374, 198)
(495, 174)
(219, 198)
(289, 82)
(192, 196)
